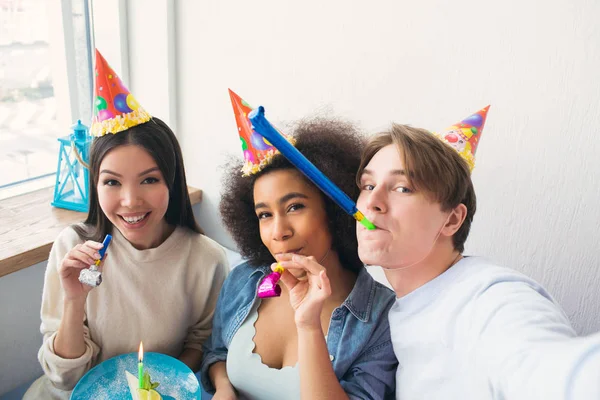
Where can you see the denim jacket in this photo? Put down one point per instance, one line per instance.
(358, 340)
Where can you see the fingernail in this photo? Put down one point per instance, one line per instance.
(97, 256)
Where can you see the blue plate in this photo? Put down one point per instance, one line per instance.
(107, 380)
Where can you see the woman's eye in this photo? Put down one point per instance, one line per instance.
(149, 180)
(295, 207)
(111, 182)
(263, 215)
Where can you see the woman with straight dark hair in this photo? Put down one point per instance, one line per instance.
(161, 276)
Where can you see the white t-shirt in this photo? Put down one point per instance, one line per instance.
(480, 331)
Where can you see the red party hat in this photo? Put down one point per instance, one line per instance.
(115, 108)
(258, 152)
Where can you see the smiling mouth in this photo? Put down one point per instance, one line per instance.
(135, 219)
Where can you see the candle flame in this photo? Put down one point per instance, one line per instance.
(141, 352)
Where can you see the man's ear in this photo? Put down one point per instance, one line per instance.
(455, 220)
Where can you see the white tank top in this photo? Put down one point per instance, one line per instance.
(249, 376)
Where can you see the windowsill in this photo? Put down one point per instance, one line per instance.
(29, 225)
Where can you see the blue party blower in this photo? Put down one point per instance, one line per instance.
(264, 128)
(92, 276)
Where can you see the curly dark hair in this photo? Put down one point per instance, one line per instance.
(334, 146)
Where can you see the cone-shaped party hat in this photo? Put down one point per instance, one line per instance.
(115, 108)
(258, 152)
(464, 135)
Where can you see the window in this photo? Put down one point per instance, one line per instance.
(45, 86)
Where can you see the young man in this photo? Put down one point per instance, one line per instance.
(462, 327)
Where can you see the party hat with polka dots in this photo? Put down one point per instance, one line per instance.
(258, 152)
(464, 135)
(115, 108)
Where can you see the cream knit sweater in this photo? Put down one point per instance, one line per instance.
(164, 296)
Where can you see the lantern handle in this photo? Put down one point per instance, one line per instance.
(78, 156)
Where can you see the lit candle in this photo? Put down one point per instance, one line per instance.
(141, 366)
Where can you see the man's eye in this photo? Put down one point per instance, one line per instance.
(368, 187)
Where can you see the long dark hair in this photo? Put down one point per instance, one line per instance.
(160, 142)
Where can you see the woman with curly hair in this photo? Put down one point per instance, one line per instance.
(328, 335)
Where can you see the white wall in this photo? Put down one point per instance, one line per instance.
(427, 63)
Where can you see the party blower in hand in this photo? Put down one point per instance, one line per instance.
(92, 276)
(269, 287)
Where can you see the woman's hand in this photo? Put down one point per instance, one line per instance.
(218, 376)
(80, 257)
(225, 394)
(308, 295)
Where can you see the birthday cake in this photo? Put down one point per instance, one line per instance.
(146, 392)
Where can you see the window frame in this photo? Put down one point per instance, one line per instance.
(76, 29)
